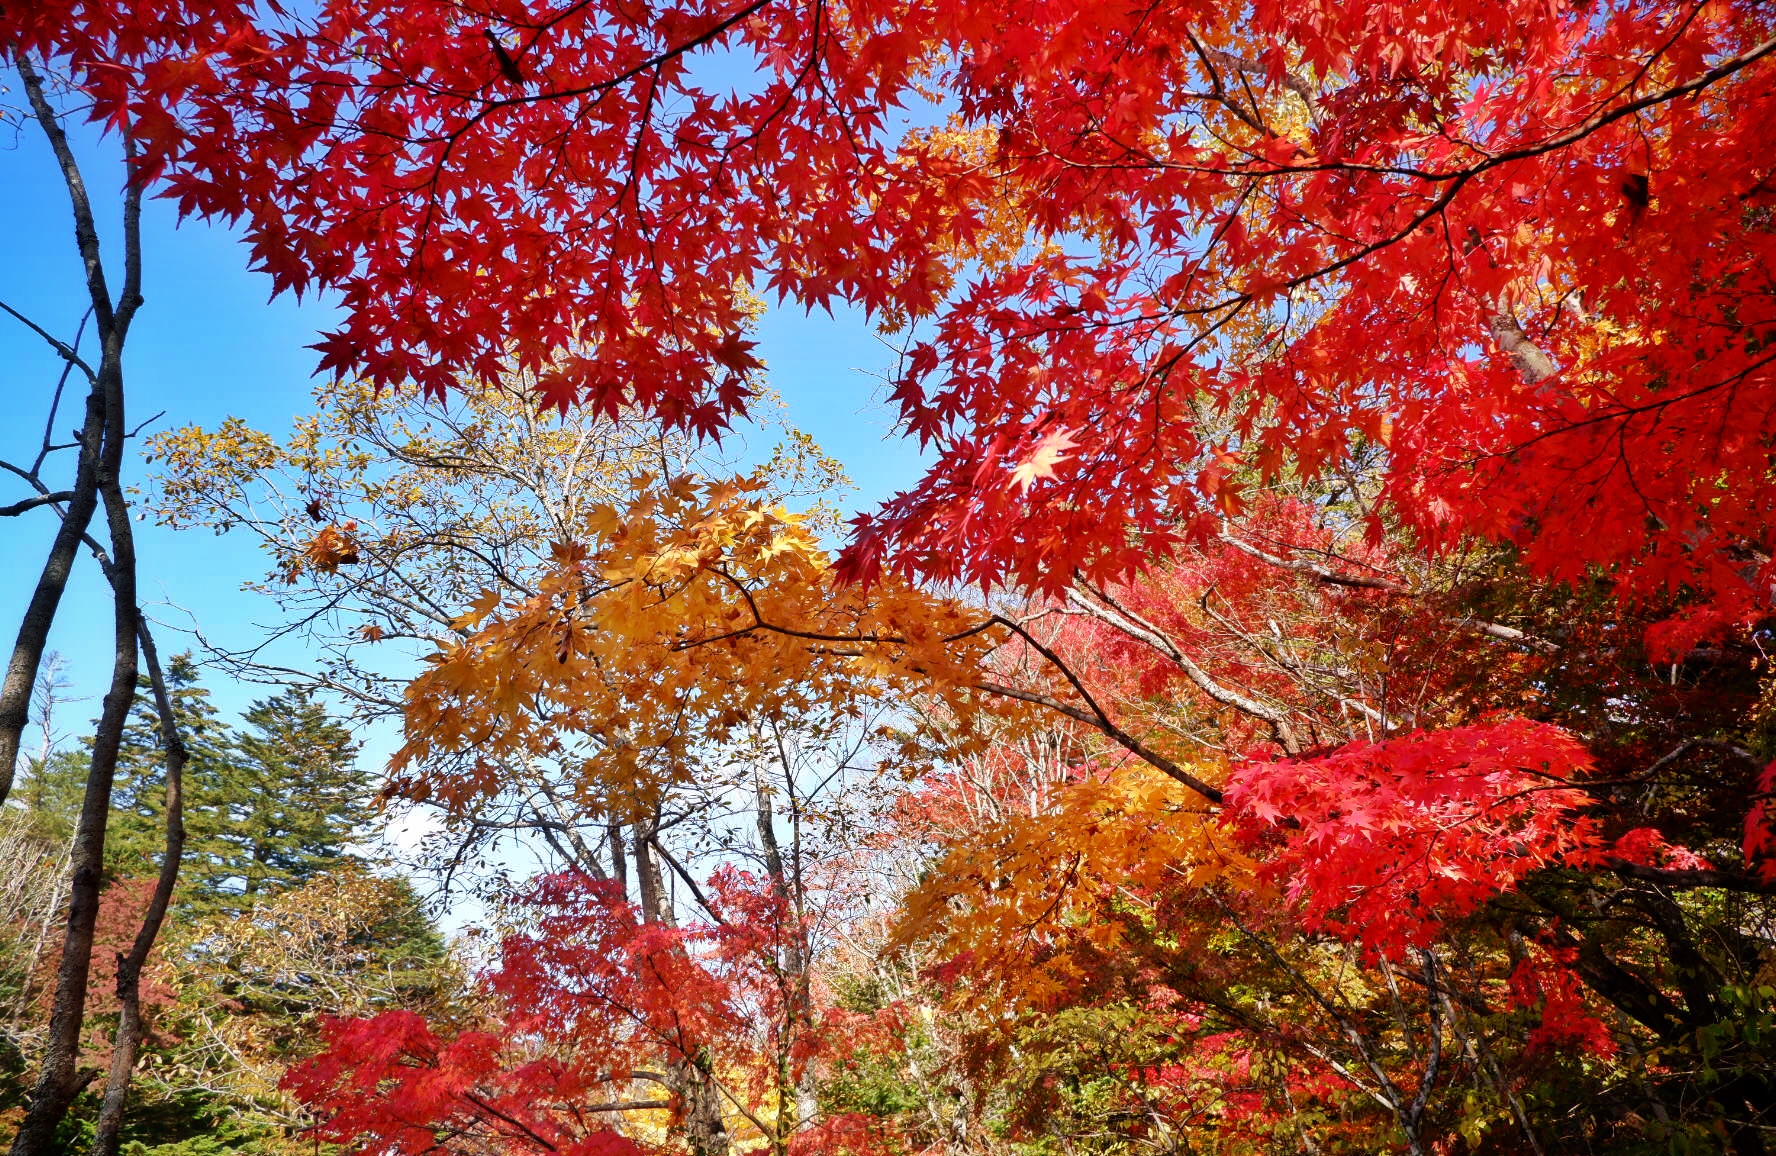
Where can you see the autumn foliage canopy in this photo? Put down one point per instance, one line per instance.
(1270, 357)
(1463, 236)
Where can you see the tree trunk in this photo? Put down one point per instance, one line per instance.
(688, 1074)
(128, 1041)
(33, 633)
(700, 1106)
(797, 1094)
(60, 1079)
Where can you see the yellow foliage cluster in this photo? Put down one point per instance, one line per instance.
(679, 618)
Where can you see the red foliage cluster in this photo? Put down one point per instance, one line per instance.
(844, 1134)
(594, 1003)
(1327, 224)
(1520, 257)
(1544, 980)
(121, 905)
(1383, 843)
(1760, 827)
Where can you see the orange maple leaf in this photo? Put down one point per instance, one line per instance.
(333, 547)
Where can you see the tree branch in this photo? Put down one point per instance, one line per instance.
(1135, 627)
(61, 347)
(21, 507)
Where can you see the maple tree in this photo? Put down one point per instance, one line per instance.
(1385, 850)
(1067, 384)
(554, 571)
(596, 1004)
(616, 762)
(1505, 265)
(1577, 867)
(1097, 385)
(1324, 223)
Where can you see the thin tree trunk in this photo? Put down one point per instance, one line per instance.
(791, 975)
(796, 1098)
(619, 860)
(688, 1075)
(33, 633)
(650, 886)
(60, 1080)
(128, 1042)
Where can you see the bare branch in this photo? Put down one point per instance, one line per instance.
(1135, 627)
(62, 348)
(27, 504)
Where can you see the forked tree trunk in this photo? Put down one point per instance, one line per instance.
(59, 1080)
(98, 478)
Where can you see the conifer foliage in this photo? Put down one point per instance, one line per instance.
(267, 804)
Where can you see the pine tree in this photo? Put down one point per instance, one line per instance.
(294, 798)
(48, 795)
(267, 806)
(136, 835)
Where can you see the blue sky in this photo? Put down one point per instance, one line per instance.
(208, 344)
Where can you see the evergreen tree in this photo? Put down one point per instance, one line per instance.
(294, 798)
(137, 832)
(276, 921)
(48, 795)
(267, 805)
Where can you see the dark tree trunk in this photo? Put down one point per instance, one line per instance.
(33, 633)
(128, 1041)
(59, 1080)
(102, 461)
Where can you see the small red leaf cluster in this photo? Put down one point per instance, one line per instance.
(1544, 980)
(1760, 827)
